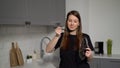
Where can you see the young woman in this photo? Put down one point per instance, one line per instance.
(71, 42)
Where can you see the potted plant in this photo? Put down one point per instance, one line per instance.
(29, 58)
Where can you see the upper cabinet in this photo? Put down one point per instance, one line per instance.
(37, 12)
(12, 11)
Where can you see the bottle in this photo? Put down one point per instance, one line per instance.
(109, 47)
(34, 55)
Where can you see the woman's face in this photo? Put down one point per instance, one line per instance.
(72, 22)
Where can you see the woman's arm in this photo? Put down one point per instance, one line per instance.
(51, 45)
(89, 49)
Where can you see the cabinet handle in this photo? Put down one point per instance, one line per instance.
(115, 61)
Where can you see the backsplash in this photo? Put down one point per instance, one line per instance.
(28, 39)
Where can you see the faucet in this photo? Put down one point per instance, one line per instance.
(41, 46)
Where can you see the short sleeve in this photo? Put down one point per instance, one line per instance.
(89, 41)
(59, 42)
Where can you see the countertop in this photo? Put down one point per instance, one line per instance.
(36, 64)
(114, 56)
(41, 64)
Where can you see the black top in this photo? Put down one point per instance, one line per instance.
(70, 58)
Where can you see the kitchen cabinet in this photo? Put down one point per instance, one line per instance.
(37, 12)
(105, 63)
(95, 63)
(110, 63)
(12, 11)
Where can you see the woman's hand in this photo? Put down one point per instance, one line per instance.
(88, 53)
(58, 31)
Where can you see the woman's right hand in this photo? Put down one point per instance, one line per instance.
(51, 45)
(58, 31)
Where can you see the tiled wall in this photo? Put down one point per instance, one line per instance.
(28, 39)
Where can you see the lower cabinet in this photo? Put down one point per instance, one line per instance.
(110, 63)
(95, 63)
(104, 63)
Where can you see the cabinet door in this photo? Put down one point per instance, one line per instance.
(39, 12)
(95, 63)
(110, 63)
(60, 8)
(12, 11)
(46, 12)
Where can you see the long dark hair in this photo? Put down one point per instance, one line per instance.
(65, 40)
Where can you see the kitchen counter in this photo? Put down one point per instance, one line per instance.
(114, 56)
(36, 64)
(41, 64)
(105, 61)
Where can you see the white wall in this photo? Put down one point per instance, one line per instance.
(104, 22)
(100, 19)
(82, 7)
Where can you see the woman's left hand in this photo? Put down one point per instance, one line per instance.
(88, 53)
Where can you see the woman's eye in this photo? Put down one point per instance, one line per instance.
(69, 20)
(75, 21)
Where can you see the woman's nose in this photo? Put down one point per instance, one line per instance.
(72, 23)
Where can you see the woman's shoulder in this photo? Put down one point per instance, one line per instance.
(85, 34)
